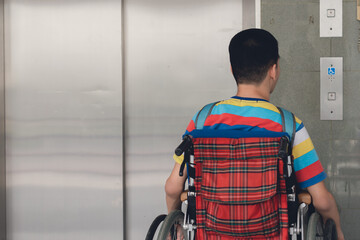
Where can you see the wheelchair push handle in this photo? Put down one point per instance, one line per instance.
(183, 148)
(181, 171)
(185, 144)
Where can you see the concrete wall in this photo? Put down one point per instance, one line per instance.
(296, 26)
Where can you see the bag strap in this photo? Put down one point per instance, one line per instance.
(199, 124)
(288, 124)
(203, 114)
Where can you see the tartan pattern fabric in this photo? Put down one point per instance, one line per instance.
(240, 189)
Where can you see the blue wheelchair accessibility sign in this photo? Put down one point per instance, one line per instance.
(331, 71)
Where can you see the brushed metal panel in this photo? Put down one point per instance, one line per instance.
(64, 119)
(331, 88)
(248, 14)
(176, 61)
(2, 130)
(251, 10)
(331, 18)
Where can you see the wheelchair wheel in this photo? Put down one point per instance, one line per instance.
(154, 226)
(171, 227)
(330, 230)
(315, 230)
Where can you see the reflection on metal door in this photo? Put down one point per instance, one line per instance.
(63, 119)
(176, 61)
(64, 107)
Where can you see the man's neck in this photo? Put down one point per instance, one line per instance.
(253, 91)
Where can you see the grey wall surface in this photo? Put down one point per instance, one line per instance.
(296, 25)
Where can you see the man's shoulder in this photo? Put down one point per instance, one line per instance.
(247, 108)
(298, 121)
(257, 106)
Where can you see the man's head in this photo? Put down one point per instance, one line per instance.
(252, 53)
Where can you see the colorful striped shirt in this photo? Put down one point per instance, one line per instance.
(251, 114)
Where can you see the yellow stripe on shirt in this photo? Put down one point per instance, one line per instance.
(178, 159)
(245, 103)
(298, 121)
(262, 104)
(303, 148)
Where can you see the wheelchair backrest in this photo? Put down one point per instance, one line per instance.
(239, 184)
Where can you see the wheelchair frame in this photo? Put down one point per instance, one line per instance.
(308, 225)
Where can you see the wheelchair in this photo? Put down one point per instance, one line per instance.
(212, 153)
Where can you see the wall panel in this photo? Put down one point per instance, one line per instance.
(295, 24)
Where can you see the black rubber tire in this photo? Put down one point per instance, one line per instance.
(175, 217)
(153, 227)
(315, 229)
(330, 230)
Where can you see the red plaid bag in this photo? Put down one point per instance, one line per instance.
(240, 189)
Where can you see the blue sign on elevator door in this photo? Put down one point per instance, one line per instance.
(331, 71)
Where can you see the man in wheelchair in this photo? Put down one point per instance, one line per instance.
(250, 130)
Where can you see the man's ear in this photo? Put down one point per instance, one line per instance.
(273, 71)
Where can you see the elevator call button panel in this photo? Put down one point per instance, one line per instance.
(331, 88)
(331, 14)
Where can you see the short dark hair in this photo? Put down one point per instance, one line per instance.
(252, 53)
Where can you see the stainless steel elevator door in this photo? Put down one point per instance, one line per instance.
(176, 61)
(63, 119)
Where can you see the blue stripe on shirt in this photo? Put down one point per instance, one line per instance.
(224, 126)
(305, 160)
(247, 111)
(314, 180)
(299, 127)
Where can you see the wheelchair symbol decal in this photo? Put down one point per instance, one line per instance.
(331, 71)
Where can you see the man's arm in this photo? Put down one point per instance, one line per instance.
(325, 204)
(174, 187)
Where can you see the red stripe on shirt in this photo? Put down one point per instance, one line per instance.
(309, 171)
(191, 126)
